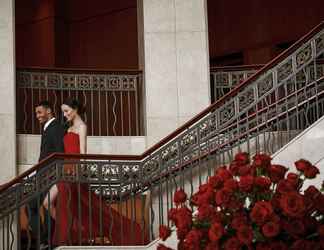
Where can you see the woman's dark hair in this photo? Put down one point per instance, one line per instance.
(75, 104)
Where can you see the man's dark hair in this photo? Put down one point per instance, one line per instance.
(46, 104)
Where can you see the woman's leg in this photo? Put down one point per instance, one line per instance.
(52, 197)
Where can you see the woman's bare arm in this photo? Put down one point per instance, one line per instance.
(83, 139)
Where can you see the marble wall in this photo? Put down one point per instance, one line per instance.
(176, 63)
(7, 92)
(308, 146)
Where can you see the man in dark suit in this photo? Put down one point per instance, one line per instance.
(51, 142)
(52, 130)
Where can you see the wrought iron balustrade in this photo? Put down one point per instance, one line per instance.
(262, 114)
(113, 100)
(224, 79)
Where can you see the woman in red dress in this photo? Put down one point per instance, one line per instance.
(75, 211)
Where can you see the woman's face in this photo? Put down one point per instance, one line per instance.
(68, 112)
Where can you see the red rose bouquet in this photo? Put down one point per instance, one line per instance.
(250, 205)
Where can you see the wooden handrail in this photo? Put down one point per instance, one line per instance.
(245, 67)
(181, 129)
(81, 70)
(236, 67)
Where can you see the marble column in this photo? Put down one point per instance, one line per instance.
(8, 167)
(176, 63)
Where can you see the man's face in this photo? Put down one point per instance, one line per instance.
(42, 114)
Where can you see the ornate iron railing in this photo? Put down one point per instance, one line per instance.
(112, 99)
(261, 114)
(224, 79)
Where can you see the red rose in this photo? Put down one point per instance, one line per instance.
(182, 232)
(277, 172)
(312, 193)
(205, 211)
(172, 214)
(232, 244)
(262, 160)
(293, 179)
(164, 231)
(246, 183)
(212, 246)
(238, 221)
(311, 172)
(302, 165)
(292, 204)
(270, 229)
(163, 247)
(320, 203)
(263, 246)
(278, 245)
(295, 228)
(284, 187)
(234, 204)
(310, 223)
(183, 217)
(231, 185)
(275, 201)
(179, 197)
(224, 173)
(234, 167)
(215, 232)
(242, 158)
(215, 181)
(263, 183)
(222, 196)
(192, 239)
(217, 217)
(303, 244)
(245, 235)
(320, 231)
(245, 170)
(205, 195)
(261, 212)
(181, 245)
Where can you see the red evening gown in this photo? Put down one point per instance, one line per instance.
(118, 229)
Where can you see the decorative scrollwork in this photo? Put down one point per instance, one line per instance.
(319, 44)
(44, 80)
(68, 81)
(246, 98)
(38, 80)
(237, 78)
(222, 79)
(54, 81)
(285, 70)
(226, 112)
(265, 85)
(303, 56)
(23, 79)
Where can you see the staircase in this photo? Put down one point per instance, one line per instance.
(262, 114)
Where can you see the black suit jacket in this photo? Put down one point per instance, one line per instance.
(52, 140)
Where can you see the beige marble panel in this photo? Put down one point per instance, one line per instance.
(159, 15)
(160, 77)
(7, 80)
(160, 59)
(94, 145)
(192, 72)
(7, 147)
(23, 168)
(190, 15)
(160, 128)
(28, 147)
(138, 145)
